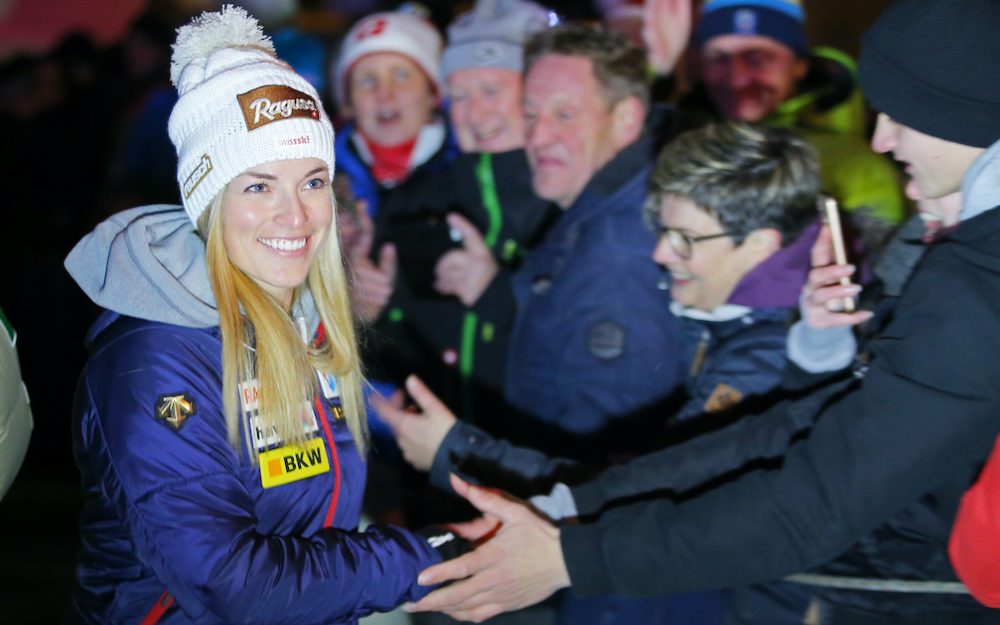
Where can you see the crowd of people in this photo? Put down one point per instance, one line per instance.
(529, 318)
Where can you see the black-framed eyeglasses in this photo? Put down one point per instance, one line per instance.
(682, 242)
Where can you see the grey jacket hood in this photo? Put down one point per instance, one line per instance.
(981, 186)
(149, 263)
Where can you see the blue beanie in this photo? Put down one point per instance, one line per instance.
(781, 20)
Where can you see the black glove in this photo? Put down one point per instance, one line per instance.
(447, 543)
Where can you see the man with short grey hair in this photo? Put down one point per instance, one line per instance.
(593, 345)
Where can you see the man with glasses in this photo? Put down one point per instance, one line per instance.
(681, 242)
(736, 245)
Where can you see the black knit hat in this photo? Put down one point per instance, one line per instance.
(934, 65)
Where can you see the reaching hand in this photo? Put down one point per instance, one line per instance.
(519, 566)
(373, 283)
(823, 291)
(666, 29)
(419, 434)
(466, 272)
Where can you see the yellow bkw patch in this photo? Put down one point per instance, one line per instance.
(292, 463)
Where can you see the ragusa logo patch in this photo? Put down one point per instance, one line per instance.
(271, 103)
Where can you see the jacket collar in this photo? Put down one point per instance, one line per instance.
(777, 281)
(981, 186)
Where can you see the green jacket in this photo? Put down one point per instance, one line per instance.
(829, 111)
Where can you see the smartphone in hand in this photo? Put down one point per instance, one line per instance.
(831, 217)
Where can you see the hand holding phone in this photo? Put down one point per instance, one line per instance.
(831, 217)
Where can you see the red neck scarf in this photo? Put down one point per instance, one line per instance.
(390, 163)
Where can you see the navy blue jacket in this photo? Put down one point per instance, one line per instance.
(733, 359)
(593, 346)
(170, 505)
(743, 357)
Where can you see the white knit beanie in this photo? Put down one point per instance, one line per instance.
(402, 33)
(239, 106)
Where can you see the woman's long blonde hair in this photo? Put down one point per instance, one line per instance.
(260, 340)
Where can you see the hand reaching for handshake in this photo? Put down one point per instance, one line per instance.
(517, 560)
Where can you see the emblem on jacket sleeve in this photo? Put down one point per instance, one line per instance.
(723, 398)
(174, 409)
(606, 340)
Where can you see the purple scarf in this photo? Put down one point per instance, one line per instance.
(777, 282)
